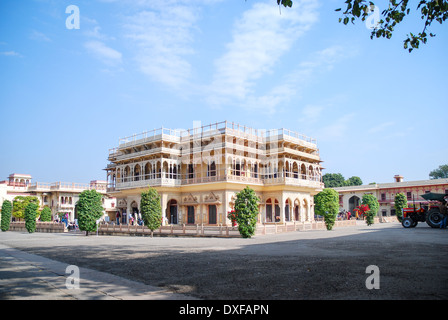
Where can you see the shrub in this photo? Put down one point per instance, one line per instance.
(89, 209)
(45, 215)
(246, 207)
(327, 205)
(30, 216)
(151, 209)
(6, 215)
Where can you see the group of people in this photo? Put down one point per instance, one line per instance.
(133, 219)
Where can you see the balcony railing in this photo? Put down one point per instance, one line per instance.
(173, 180)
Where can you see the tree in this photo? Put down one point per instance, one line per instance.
(246, 207)
(333, 180)
(45, 215)
(6, 215)
(440, 173)
(20, 203)
(401, 202)
(89, 209)
(372, 202)
(151, 209)
(326, 204)
(31, 211)
(431, 10)
(353, 181)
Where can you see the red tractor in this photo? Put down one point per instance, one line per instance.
(433, 216)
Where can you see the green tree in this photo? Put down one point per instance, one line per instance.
(89, 209)
(372, 202)
(6, 215)
(440, 173)
(45, 215)
(431, 10)
(401, 202)
(31, 211)
(333, 180)
(326, 204)
(20, 203)
(151, 209)
(353, 181)
(246, 207)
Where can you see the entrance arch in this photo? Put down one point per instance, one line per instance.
(171, 211)
(353, 202)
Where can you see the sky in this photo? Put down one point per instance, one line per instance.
(69, 92)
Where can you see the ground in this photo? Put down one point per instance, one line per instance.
(315, 264)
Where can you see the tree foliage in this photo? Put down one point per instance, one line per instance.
(30, 214)
(20, 203)
(401, 202)
(431, 10)
(246, 207)
(45, 214)
(372, 202)
(6, 215)
(89, 209)
(335, 180)
(151, 209)
(326, 204)
(439, 173)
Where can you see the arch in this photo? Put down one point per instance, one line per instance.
(137, 172)
(297, 216)
(353, 202)
(126, 173)
(288, 210)
(306, 210)
(303, 171)
(171, 211)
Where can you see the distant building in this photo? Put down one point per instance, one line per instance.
(198, 172)
(350, 197)
(60, 197)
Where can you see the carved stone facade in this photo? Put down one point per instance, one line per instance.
(198, 172)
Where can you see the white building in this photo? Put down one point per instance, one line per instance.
(60, 197)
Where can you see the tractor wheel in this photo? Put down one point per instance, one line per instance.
(434, 218)
(408, 223)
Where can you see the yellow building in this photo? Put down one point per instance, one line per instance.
(198, 172)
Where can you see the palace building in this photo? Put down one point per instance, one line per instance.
(60, 197)
(350, 197)
(197, 172)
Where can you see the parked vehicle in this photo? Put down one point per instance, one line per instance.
(433, 216)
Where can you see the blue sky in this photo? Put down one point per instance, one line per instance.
(68, 95)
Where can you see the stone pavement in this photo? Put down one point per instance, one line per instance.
(31, 277)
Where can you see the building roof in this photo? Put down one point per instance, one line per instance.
(394, 185)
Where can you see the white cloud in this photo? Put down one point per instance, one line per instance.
(338, 129)
(163, 36)
(381, 127)
(260, 38)
(104, 53)
(10, 53)
(39, 36)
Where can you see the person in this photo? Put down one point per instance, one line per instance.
(444, 213)
(118, 217)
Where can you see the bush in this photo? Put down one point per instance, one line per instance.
(151, 209)
(45, 215)
(371, 201)
(6, 215)
(246, 207)
(327, 205)
(89, 209)
(30, 217)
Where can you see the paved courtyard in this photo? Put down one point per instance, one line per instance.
(315, 264)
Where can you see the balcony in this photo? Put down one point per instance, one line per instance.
(172, 180)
